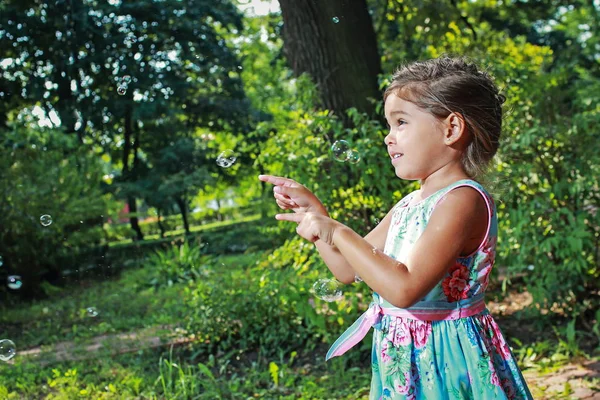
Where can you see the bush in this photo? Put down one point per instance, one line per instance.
(178, 264)
(229, 309)
(47, 172)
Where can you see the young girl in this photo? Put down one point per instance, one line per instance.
(429, 260)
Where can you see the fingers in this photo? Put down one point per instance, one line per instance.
(284, 200)
(281, 205)
(285, 206)
(278, 180)
(296, 217)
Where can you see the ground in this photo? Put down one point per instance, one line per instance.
(576, 379)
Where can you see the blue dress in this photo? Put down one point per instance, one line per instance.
(447, 346)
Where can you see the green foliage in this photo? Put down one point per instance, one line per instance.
(44, 172)
(228, 308)
(180, 264)
(179, 382)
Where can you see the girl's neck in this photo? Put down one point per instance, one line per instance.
(440, 179)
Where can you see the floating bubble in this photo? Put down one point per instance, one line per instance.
(14, 282)
(335, 20)
(7, 349)
(122, 90)
(531, 267)
(226, 159)
(126, 79)
(340, 150)
(45, 220)
(353, 156)
(92, 312)
(1, 261)
(328, 289)
(130, 39)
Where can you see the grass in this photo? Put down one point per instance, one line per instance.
(209, 364)
(126, 304)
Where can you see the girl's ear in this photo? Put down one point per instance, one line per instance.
(455, 129)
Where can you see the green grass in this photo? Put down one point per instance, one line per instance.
(246, 338)
(128, 304)
(125, 304)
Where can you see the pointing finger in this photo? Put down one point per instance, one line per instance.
(278, 180)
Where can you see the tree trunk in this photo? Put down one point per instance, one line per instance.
(184, 216)
(160, 224)
(334, 41)
(219, 215)
(128, 172)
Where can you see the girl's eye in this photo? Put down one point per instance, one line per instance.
(401, 122)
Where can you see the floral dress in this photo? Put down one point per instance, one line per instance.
(446, 346)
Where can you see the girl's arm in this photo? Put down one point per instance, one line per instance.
(444, 238)
(337, 262)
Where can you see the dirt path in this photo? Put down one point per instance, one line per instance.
(104, 345)
(571, 381)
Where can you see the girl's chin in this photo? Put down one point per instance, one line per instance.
(407, 176)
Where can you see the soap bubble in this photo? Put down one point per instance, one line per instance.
(1, 261)
(130, 39)
(335, 20)
(126, 79)
(14, 282)
(226, 159)
(7, 349)
(353, 156)
(340, 150)
(328, 289)
(92, 312)
(122, 90)
(45, 220)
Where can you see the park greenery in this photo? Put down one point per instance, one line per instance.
(165, 243)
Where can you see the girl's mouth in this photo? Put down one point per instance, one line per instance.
(396, 157)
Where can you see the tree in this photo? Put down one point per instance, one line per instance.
(108, 69)
(334, 42)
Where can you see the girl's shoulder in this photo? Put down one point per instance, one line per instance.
(413, 199)
(459, 184)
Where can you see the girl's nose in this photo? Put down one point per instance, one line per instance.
(388, 138)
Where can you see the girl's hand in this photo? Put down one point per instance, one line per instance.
(290, 195)
(313, 226)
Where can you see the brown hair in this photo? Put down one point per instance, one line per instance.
(444, 85)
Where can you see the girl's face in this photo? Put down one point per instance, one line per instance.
(415, 141)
